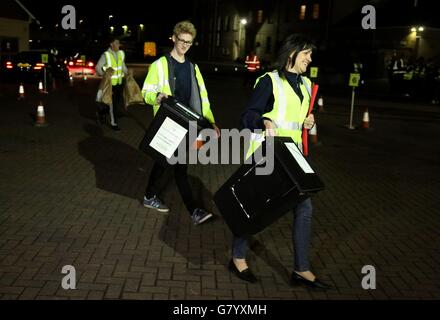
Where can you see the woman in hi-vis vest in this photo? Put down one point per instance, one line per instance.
(279, 105)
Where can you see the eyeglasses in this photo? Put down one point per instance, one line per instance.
(189, 43)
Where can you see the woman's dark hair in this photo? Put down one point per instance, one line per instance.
(293, 43)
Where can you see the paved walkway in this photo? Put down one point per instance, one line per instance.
(70, 195)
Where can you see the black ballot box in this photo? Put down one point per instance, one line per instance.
(249, 202)
(170, 131)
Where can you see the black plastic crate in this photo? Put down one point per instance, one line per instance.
(249, 203)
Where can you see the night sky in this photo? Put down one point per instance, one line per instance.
(97, 12)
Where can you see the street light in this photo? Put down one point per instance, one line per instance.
(243, 23)
(110, 16)
(112, 29)
(140, 32)
(125, 28)
(417, 31)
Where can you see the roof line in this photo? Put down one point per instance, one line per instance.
(27, 11)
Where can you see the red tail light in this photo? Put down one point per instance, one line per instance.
(9, 65)
(39, 66)
(71, 63)
(91, 64)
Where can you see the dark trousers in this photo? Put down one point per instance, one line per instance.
(157, 180)
(301, 235)
(117, 102)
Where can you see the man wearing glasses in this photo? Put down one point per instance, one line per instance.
(173, 74)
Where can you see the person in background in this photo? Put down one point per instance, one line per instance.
(113, 58)
(252, 68)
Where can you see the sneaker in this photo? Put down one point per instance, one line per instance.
(115, 127)
(199, 216)
(155, 203)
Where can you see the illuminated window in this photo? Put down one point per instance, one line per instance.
(226, 24)
(219, 23)
(260, 16)
(217, 40)
(236, 22)
(302, 12)
(315, 13)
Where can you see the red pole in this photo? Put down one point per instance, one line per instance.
(305, 132)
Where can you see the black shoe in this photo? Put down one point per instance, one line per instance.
(296, 280)
(100, 120)
(116, 128)
(245, 275)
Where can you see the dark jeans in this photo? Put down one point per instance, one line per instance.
(301, 231)
(157, 180)
(117, 102)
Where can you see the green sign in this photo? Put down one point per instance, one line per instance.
(354, 79)
(83, 58)
(314, 72)
(45, 58)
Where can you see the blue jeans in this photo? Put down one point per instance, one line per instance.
(301, 231)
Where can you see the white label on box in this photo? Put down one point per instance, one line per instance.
(299, 157)
(168, 137)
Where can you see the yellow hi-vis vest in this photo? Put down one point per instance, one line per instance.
(157, 82)
(288, 113)
(118, 74)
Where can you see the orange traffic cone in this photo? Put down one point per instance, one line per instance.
(313, 133)
(41, 117)
(40, 87)
(366, 120)
(21, 92)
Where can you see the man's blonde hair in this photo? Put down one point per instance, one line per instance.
(185, 27)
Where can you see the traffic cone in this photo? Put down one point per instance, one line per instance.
(41, 117)
(40, 87)
(321, 104)
(313, 133)
(366, 120)
(21, 92)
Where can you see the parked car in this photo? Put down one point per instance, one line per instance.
(7, 67)
(35, 65)
(79, 67)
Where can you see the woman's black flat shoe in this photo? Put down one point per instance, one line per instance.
(296, 280)
(245, 275)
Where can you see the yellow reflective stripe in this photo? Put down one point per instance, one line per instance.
(257, 137)
(108, 59)
(288, 125)
(282, 100)
(160, 72)
(150, 88)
